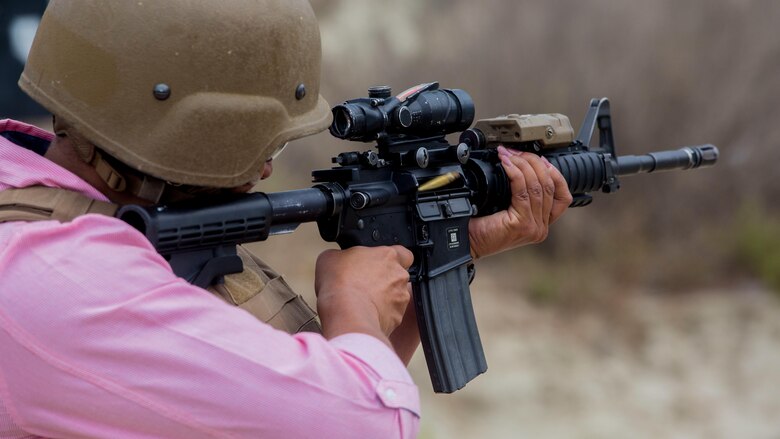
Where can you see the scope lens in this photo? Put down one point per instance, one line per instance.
(342, 122)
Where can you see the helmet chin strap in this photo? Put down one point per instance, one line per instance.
(118, 176)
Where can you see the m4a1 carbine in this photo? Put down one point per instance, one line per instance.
(415, 190)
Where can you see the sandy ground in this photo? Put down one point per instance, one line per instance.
(705, 365)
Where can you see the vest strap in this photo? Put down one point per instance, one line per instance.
(39, 203)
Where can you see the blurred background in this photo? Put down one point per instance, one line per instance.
(651, 313)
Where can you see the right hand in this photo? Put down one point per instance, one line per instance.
(362, 289)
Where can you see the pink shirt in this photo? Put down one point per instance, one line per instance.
(98, 338)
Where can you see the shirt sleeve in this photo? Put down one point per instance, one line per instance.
(99, 338)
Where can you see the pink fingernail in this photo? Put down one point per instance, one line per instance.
(547, 162)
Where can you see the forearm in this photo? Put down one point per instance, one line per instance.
(180, 382)
(406, 338)
(351, 323)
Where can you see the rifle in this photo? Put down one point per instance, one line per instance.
(415, 190)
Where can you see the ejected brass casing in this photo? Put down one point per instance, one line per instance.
(440, 181)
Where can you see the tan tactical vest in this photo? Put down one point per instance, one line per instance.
(258, 289)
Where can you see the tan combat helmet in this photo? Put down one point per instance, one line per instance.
(193, 92)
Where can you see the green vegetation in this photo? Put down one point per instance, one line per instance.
(544, 289)
(758, 244)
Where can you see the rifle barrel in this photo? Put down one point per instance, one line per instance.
(684, 158)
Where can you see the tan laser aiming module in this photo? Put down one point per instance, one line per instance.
(542, 130)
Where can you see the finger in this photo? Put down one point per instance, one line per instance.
(542, 168)
(562, 198)
(533, 187)
(516, 179)
(511, 151)
(405, 257)
(520, 203)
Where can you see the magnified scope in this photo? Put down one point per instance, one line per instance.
(419, 112)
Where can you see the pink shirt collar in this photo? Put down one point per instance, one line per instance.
(23, 167)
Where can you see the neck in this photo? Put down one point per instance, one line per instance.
(63, 154)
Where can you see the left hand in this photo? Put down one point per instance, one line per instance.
(540, 195)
